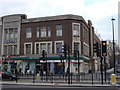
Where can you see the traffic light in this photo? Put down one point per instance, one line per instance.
(64, 50)
(75, 53)
(43, 54)
(95, 47)
(99, 52)
(104, 48)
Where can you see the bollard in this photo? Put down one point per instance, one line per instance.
(16, 79)
(33, 78)
(71, 77)
(113, 79)
(51, 77)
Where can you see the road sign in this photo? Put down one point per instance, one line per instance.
(104, 54)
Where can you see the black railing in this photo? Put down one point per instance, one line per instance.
(81, 78)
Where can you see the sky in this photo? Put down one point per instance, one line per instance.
(100, 12)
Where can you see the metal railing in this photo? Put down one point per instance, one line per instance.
(82, 78)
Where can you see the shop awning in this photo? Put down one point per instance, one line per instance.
(48, 58)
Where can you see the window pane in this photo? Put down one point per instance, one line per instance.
(28, 33)
(43, 31)
(15, 49)
(76, 30)
(11, 34)
(6, 34)
(49, 31)
(28, 48)
(58, 47)
(10, 50)
(76, 46)
(15, 33)
(59, 30)
(38, 32)
(5, 50)
(42, 47)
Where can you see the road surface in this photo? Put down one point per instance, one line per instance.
(30, 87)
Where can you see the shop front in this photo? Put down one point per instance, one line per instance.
(51, 64)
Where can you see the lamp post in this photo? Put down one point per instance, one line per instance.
(113, 43)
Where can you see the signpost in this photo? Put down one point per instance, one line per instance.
(104, 57)
(103, 54)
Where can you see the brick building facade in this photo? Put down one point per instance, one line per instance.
(49, 34)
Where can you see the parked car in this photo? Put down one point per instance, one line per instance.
(8, 76)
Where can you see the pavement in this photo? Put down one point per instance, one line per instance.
(27, 80)
(59, 84)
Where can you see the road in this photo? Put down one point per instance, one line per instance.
(30, 87)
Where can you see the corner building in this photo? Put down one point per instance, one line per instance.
(50, 34)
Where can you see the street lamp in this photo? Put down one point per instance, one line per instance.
(113, 43)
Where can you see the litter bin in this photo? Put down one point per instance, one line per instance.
(37, 77)
(113, 79)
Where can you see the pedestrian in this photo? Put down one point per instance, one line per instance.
(20, 71)
(61, 70)
(67, 70)
(16, 71)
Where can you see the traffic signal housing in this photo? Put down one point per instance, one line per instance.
(104, 48)
(95, 47)
(75, 53)
(99, 52)
(64, 50)
(44, 54)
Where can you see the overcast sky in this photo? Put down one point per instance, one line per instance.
(99, 12)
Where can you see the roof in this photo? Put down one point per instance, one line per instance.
(51, 18)
(13, 15)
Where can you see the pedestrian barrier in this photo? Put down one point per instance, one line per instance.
(81, 78)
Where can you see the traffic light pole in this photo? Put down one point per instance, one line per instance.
(68, 65)
(113, 44)
(105, 67)
(63, 68)
(78, 67)
(78, 64)
(44, 54)
(101, 70)
(46, 68)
